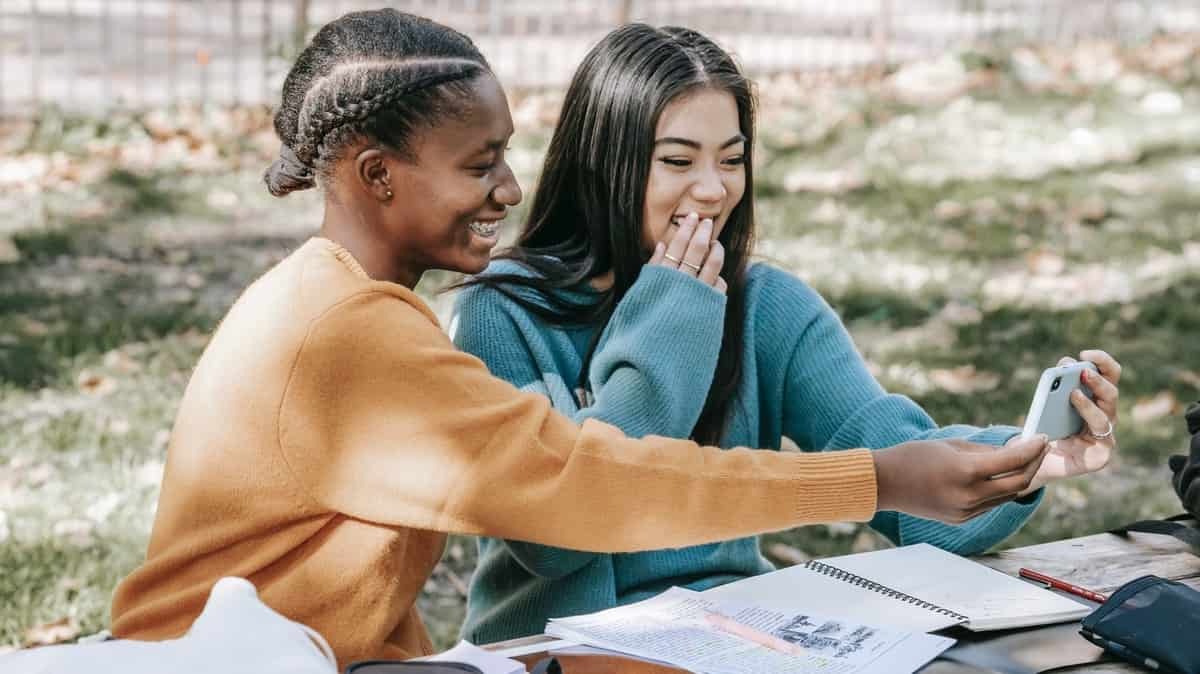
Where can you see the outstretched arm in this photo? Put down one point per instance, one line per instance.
(831, 402)
(412, 432)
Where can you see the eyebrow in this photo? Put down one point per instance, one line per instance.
(492, 146)
(669, 140)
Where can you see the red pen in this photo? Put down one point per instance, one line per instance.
(1062, 585)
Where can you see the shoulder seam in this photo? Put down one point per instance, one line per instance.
(279, 431)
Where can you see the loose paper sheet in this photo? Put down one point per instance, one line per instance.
(674, 627)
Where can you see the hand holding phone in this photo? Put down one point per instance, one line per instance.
(1051, 412)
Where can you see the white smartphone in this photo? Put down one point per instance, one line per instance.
(1052, 412)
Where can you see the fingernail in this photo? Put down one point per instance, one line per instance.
(693, 216)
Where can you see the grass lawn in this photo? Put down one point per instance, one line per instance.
(967, 243)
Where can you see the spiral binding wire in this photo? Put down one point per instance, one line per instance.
(868, 584)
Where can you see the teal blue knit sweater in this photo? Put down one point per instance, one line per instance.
(802, 378)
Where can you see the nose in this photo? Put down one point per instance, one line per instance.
(508, 191)
(708, 187)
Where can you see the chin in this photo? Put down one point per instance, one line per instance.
(474, 265)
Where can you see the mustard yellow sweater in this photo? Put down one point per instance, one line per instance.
(331, 433)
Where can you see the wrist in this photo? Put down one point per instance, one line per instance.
(1035, 484)
(885, 489)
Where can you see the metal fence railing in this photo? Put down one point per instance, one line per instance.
(88, 54)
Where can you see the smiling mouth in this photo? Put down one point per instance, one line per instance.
(486, 229)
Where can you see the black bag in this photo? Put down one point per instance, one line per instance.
(1151, 622)
(1184, 469)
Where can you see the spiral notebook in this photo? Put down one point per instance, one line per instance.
(915, 587)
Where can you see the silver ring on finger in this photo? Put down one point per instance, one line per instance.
(689, 265)
(1101, 436)
(674, 259)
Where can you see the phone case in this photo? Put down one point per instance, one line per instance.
(1051, 412)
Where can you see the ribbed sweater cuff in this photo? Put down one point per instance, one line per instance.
(837, 486)
(668, 304)
(993, 435)
(686, 294)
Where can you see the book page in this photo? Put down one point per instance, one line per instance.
(798, 588)
(679, 627)
(989, 599)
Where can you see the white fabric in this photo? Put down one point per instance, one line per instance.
(235, 634)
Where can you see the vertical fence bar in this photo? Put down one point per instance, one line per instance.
(624, 12)
(2, 61)
(139, 53)
(235, 53)
(204, 56)
(300, 27)
(109, 59)
(172, 57)
(71, 45)
(35, 51)
(265, 46)
(882, 37)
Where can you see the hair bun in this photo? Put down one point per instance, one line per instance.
(288, 173)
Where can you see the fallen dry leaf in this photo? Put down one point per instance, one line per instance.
(959, 313)
(1045, 263)
(95, 384)
(8, 250)
(949, 210)
(120, 361)
(32, 327)
(787, 554)
(1189, 377)
(827, 213)
(964, 379)
(47, 634)
(39, 474)
(837, 181)
(1158, 406)
(76, 531)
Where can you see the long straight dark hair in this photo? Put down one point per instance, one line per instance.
(586, 216)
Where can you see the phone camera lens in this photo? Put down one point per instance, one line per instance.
(1057, 381)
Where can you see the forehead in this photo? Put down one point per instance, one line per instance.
(705, 114)
(484, 119)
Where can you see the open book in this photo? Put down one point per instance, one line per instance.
(916, 587)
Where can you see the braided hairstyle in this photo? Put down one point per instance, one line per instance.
(376, 76)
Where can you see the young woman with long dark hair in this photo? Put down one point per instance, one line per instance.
(655, 140)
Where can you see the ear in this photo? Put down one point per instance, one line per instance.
(371, 170)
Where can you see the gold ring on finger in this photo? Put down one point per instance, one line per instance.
(1102, 436)
(689, 265)
(672, 258)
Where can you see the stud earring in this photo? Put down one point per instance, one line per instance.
(388, 194)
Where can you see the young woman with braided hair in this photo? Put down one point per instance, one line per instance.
(331, 433)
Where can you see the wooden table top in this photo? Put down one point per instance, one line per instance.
(1100, 562)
